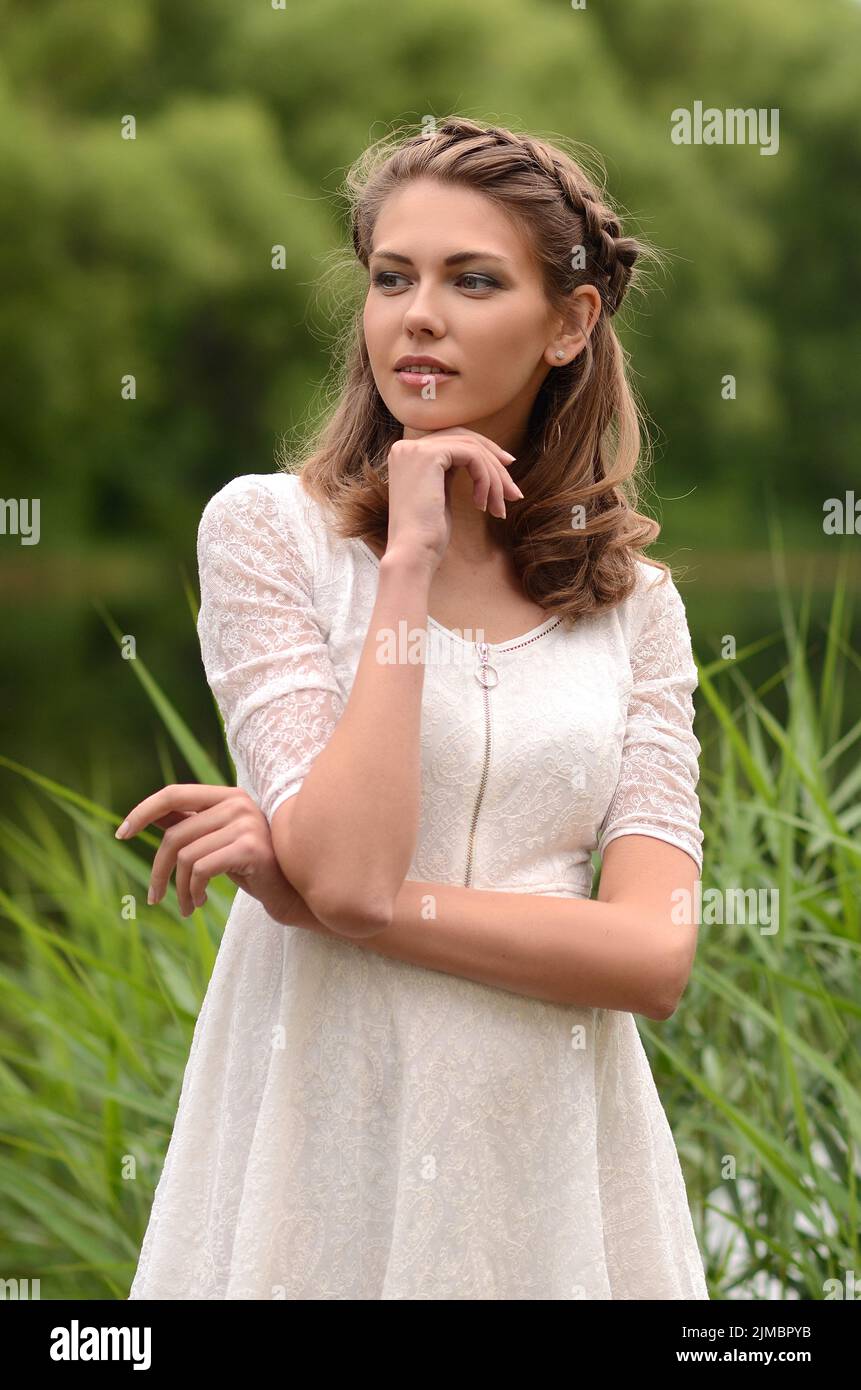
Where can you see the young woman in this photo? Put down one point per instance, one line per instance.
(447, 675)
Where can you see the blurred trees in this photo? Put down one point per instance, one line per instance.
(151, 256)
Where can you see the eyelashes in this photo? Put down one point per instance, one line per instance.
(491, 280)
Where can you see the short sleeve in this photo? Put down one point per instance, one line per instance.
(264, 654)
(656, 791)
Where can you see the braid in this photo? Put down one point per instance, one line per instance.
(612, 254)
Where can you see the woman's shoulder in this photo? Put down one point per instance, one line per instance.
(262, 497)
(265, 512)
(250, 489)
(654, 598)
(655, 587)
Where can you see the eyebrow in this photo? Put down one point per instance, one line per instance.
(456, 259)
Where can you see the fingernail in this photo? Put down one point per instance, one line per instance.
(121, 830)
(150, 897)
(509, 456)
(519, 493)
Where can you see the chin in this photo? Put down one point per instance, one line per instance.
(426, 415)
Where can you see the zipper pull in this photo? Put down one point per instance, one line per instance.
(485, 670)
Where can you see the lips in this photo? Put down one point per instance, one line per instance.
(423, 372)
(418, 378)
(428, 362)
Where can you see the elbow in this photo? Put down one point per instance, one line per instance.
(357, 915)
(673, 983)
(660, 1010)
(356, 919)
(661, 1005)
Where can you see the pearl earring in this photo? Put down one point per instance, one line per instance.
(560, 353)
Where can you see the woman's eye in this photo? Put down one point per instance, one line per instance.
(473, 275)
(467, 275)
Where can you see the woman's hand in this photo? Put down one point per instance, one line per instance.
(210, 831)
(419, 515)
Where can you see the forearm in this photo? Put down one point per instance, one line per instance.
(353, 828)
(575, 951)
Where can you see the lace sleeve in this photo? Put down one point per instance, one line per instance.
(656, 791)
(264, 655)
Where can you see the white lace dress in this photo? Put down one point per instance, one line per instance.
(356, 1127)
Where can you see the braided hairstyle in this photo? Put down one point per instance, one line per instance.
(611, 256)
(584, 435)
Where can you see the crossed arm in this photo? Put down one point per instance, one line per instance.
(624, 950)
(354, 822)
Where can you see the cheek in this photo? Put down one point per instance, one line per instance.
(503, 366)
(368, 323)
(508, 337)
(377, 352)
(373, 315)
(379, 328)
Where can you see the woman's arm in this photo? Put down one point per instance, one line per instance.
(631, 949)
(337, 779)
(346, 839)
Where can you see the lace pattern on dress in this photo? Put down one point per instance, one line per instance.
(656, 791)
(263, 651)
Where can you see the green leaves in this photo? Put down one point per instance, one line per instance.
(98, 1001)
(758, 1069)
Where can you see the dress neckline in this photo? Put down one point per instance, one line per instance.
(524, 637)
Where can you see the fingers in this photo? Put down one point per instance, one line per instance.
(507, 485)
(488, 477)
(220, 860)
(492, 482)
(502, 460)
(482, 470)
(498, 478)
(514, 491)
(200, 861)
(172, 818)
(481, 486)
(502, 455)
(199, 818)
(481, 463)
(501, 485)
(178, 797)
(174, 852)
(486, 461)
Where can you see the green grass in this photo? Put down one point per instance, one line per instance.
(758, 1070)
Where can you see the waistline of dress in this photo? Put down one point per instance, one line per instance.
(541, 890)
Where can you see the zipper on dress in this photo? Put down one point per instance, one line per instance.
(488, 677)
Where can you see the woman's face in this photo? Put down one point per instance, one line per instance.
(486, 317)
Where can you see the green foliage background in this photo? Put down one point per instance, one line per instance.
(152, 257)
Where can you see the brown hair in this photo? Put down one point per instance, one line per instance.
(584, 431)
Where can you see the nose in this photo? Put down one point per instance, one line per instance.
(422, 313)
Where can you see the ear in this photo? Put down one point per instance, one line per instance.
(575, 326)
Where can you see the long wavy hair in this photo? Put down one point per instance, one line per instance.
(585, 433)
